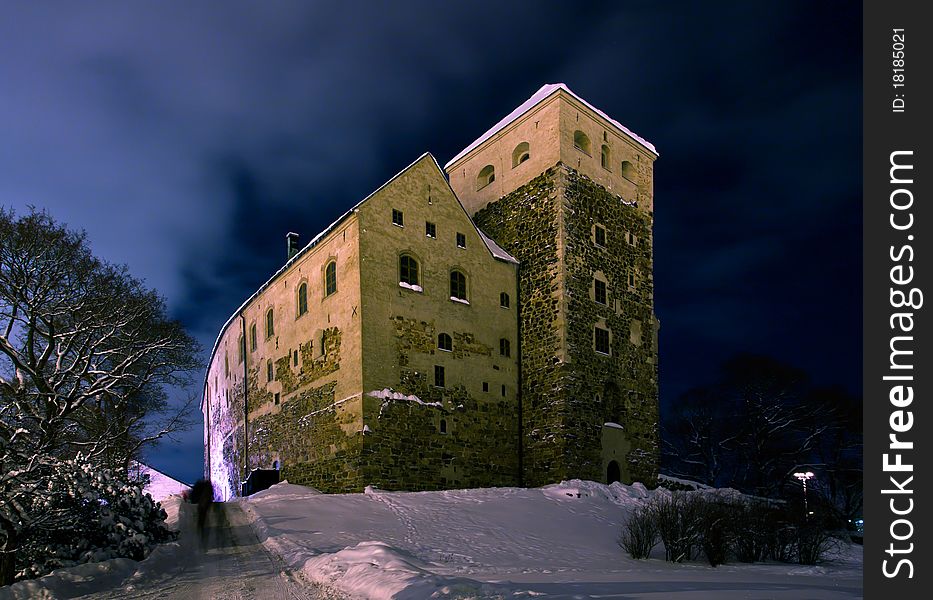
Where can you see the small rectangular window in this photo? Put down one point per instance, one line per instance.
(398, 218)
(438, 376)
(278, 398)
(461, 240)
(600, 291)
(602, 340)
(599, 235)
(485, 386)
(430, 229)
(504, 300)
(631, 280)
(503, 390)
(505, 347)
(270, 372)
(296, 358)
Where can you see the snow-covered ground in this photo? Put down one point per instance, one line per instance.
(553, 542)
(558, 541)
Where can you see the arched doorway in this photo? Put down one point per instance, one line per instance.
(613, 473)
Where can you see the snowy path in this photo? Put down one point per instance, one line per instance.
(229, 563)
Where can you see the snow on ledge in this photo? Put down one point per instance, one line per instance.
(388, 394)
(460, 300)
(613, 425)
(411, 286)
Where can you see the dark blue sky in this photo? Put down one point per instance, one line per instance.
(188, 138)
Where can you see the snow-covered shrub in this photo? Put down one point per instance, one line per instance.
(640, 534)
(717, 528)
(757, 524)
(678, 521)
(813, 541)
(87, 514)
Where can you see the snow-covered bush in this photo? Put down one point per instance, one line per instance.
(87, 514)
(678, 521)
(757, 522)
(640, 534)
(747, 529)
(717, 528)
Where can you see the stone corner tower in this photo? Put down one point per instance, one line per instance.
(568, 191)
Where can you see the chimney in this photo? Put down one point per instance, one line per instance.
(291, 243)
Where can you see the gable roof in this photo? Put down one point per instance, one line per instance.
(494, 249)
(538, 97)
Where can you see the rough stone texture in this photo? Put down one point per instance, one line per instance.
(568, 390)
(405, 447)
(525, 223)
(309, 441)
(626, 381)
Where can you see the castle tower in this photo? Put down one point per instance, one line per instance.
(568, 191)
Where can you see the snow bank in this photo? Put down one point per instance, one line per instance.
(560, 540)
(379, 571)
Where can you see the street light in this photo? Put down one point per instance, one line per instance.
(803, 477)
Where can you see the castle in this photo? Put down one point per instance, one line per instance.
(486, 324)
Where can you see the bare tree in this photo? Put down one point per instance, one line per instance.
(750, 429)
(84, 352)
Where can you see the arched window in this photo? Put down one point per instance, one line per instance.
(486, 176)
(504, 300)
(330, 278)
(241, 348)
(408, 270)
(580, 141)
(520, 154)
(604, 157)
(302, 299)
(628, 170)
(458, 287)
(443, 426)
(270, 323)
(444, 342)
(253, 338)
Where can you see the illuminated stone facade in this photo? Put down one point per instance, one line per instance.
(408, 350)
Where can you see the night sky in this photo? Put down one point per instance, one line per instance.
(187, 138)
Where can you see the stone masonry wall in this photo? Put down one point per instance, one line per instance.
(622, 387)
(405, 448)
(525, 224)
(566, 403)
(308, 432)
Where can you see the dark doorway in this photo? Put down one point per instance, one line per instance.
(613, 473)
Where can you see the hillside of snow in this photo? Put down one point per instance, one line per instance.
(559, 541)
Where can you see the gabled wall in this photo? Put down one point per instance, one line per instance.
(405, 441)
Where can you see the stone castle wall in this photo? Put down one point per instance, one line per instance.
(622, 387)
(568, 390)
(525, 223)
(408, 447)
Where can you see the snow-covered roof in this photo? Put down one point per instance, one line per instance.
(545, 92)
(496, 249)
